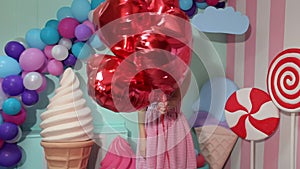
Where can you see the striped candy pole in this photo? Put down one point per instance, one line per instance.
(284, 87)
(251, 114)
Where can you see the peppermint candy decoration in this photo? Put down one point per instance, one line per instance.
(251, 114)
(283, 80)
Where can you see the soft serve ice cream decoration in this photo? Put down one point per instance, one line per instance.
(67, 127)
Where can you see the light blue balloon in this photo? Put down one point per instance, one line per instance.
(52, 23)
(214, 94)
(33, 39)
(96, 3)
(9, 66)
(95, 42)
(1, 119)
(64, 12)
(82, 50)
(80, 9)
(49, 35)
(11, 106)
(185, 4)
(201, 5)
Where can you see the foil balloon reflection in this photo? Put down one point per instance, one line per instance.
(151, 43)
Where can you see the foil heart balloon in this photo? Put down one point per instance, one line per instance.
(151, 42)
(109, 85)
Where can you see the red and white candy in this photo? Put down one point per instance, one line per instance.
(251, 114)
(283, 80)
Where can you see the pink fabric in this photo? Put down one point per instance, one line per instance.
(169, 142)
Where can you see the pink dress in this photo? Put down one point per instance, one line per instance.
(169, 142)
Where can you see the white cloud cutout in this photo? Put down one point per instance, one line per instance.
(222, 20)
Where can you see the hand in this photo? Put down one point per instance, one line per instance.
(142, 147)
(168, 105)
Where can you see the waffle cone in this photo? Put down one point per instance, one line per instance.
(72, 155)
(216, 144)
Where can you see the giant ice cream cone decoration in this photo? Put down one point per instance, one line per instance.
(67, 127)
(216, 144)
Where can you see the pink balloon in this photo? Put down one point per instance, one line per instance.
(17, 119)
(44, 68)
(32, 59)
(55, 67)
(44, 85)
(47, 51)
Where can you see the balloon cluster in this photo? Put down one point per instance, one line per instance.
(151, 43)
(190, 6)
(43, 51)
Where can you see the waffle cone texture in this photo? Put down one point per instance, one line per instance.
(216, 144)
(72, 155)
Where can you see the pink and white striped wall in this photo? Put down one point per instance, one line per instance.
(275, 26)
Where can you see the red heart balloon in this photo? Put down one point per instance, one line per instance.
(120, 90)
(151, 41)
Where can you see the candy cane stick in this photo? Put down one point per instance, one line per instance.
(293, 121)
(252, 155)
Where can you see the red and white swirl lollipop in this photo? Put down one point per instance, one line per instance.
(251, 114)
(284, 88)
(283, 80)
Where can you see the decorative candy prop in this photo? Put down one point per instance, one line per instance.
(284, 87)
(251, 114)
(284, 80)
(146, 59)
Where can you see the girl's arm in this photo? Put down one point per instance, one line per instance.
(142, 132)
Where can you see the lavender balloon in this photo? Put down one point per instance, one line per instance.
(83, 32)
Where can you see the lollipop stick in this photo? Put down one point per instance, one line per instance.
(252, 154)
(293, 121)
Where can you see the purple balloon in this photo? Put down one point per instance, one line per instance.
(30, 97)
(70, 61)
(13, 85)
(83, 32)
(191, 12)
(14, 49)
(8, 131)
(10, 155)
(220, 5)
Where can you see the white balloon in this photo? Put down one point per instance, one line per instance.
(17, 138)
(33, 80)
(65, 42)
(59, 52)
(90, 16)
